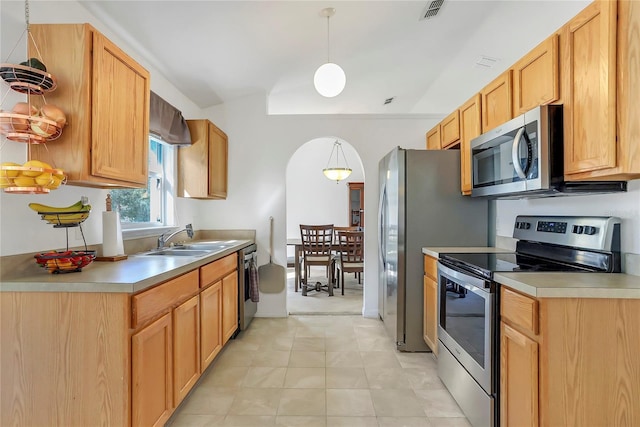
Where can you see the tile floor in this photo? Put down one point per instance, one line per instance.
(320, 302)
(324, 365)
(318, 370)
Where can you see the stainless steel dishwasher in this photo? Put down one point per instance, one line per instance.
(246, 308)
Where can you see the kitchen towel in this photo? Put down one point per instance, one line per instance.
(254, 294)
(111, 234)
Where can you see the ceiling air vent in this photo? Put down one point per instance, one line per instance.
(388, 100)
(432, 9)
(485, 62)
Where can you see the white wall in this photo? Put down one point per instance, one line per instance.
(311, 197)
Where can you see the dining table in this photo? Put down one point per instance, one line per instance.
(297, 254)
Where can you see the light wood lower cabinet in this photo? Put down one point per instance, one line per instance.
(430, 316)
(113, 359)
(569, 361)
(186, 348)
(229, 306)
(152, 373)
(519, 378)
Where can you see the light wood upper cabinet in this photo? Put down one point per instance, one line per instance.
(589, 87)
(202, 167)
(450, 130)
(186, 347)
(105, 96)
(601, 64)
(470, 127)
(496, 102)
(536, 79)
(152, 373)
(433, 138)
(430, 316)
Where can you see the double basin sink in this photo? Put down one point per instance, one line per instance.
(196, 249)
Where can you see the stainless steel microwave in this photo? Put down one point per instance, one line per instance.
(525, 158)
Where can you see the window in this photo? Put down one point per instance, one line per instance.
(149, 207)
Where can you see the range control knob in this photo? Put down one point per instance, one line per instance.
(578, 229)
(590, 230)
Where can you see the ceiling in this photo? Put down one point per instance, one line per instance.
(215, 51)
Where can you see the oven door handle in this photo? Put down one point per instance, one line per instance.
(463, 279)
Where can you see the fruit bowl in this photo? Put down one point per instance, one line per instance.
(31, 178)
(28, 128)
(64, 261)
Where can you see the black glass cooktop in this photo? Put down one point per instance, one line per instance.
(485, 264)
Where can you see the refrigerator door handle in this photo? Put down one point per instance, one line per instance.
(381, 246)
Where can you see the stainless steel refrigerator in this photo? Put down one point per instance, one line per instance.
(420, 205)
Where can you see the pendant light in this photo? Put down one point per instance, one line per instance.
(337, 173)
(329, 79)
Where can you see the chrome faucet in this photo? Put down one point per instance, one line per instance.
(162, 239)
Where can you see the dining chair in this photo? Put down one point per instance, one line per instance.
(351, 260)
(317, 243)
(336, 249)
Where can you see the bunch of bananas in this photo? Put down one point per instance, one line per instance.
(69, 215)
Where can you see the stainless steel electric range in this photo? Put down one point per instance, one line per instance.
(469, 306)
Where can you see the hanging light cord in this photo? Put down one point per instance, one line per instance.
(26, 13)
(328, 40)
(337, 148)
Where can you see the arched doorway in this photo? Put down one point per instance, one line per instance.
(311, 198)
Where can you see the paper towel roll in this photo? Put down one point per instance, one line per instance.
(111, 234)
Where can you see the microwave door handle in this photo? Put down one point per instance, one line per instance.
(515, 154)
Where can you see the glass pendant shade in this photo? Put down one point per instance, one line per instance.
(329, 80)
(337, 173)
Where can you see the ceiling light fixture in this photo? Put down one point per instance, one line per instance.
(329, 79)
(337, 173)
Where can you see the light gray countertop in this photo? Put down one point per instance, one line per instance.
(557, 285)
(132, 275)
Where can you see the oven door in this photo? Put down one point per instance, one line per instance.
(510, 158)
(466, 324)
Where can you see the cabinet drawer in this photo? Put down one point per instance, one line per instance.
(431, 267)
(216, 270)
(149, 304)
(519, 310)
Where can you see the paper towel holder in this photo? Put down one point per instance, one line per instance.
(111, 258)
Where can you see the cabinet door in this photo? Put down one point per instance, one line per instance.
(433, 138)
(450, 130)
(218, 155)
(186, 347)
(120, 114)
(589, 86)
(536, 77)
(152, 373)
(518, 378)
(496, 102)
(210, 324)
(229, 306)
(430, 326)
(193, 162)
(470, 127)
(356, 204)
